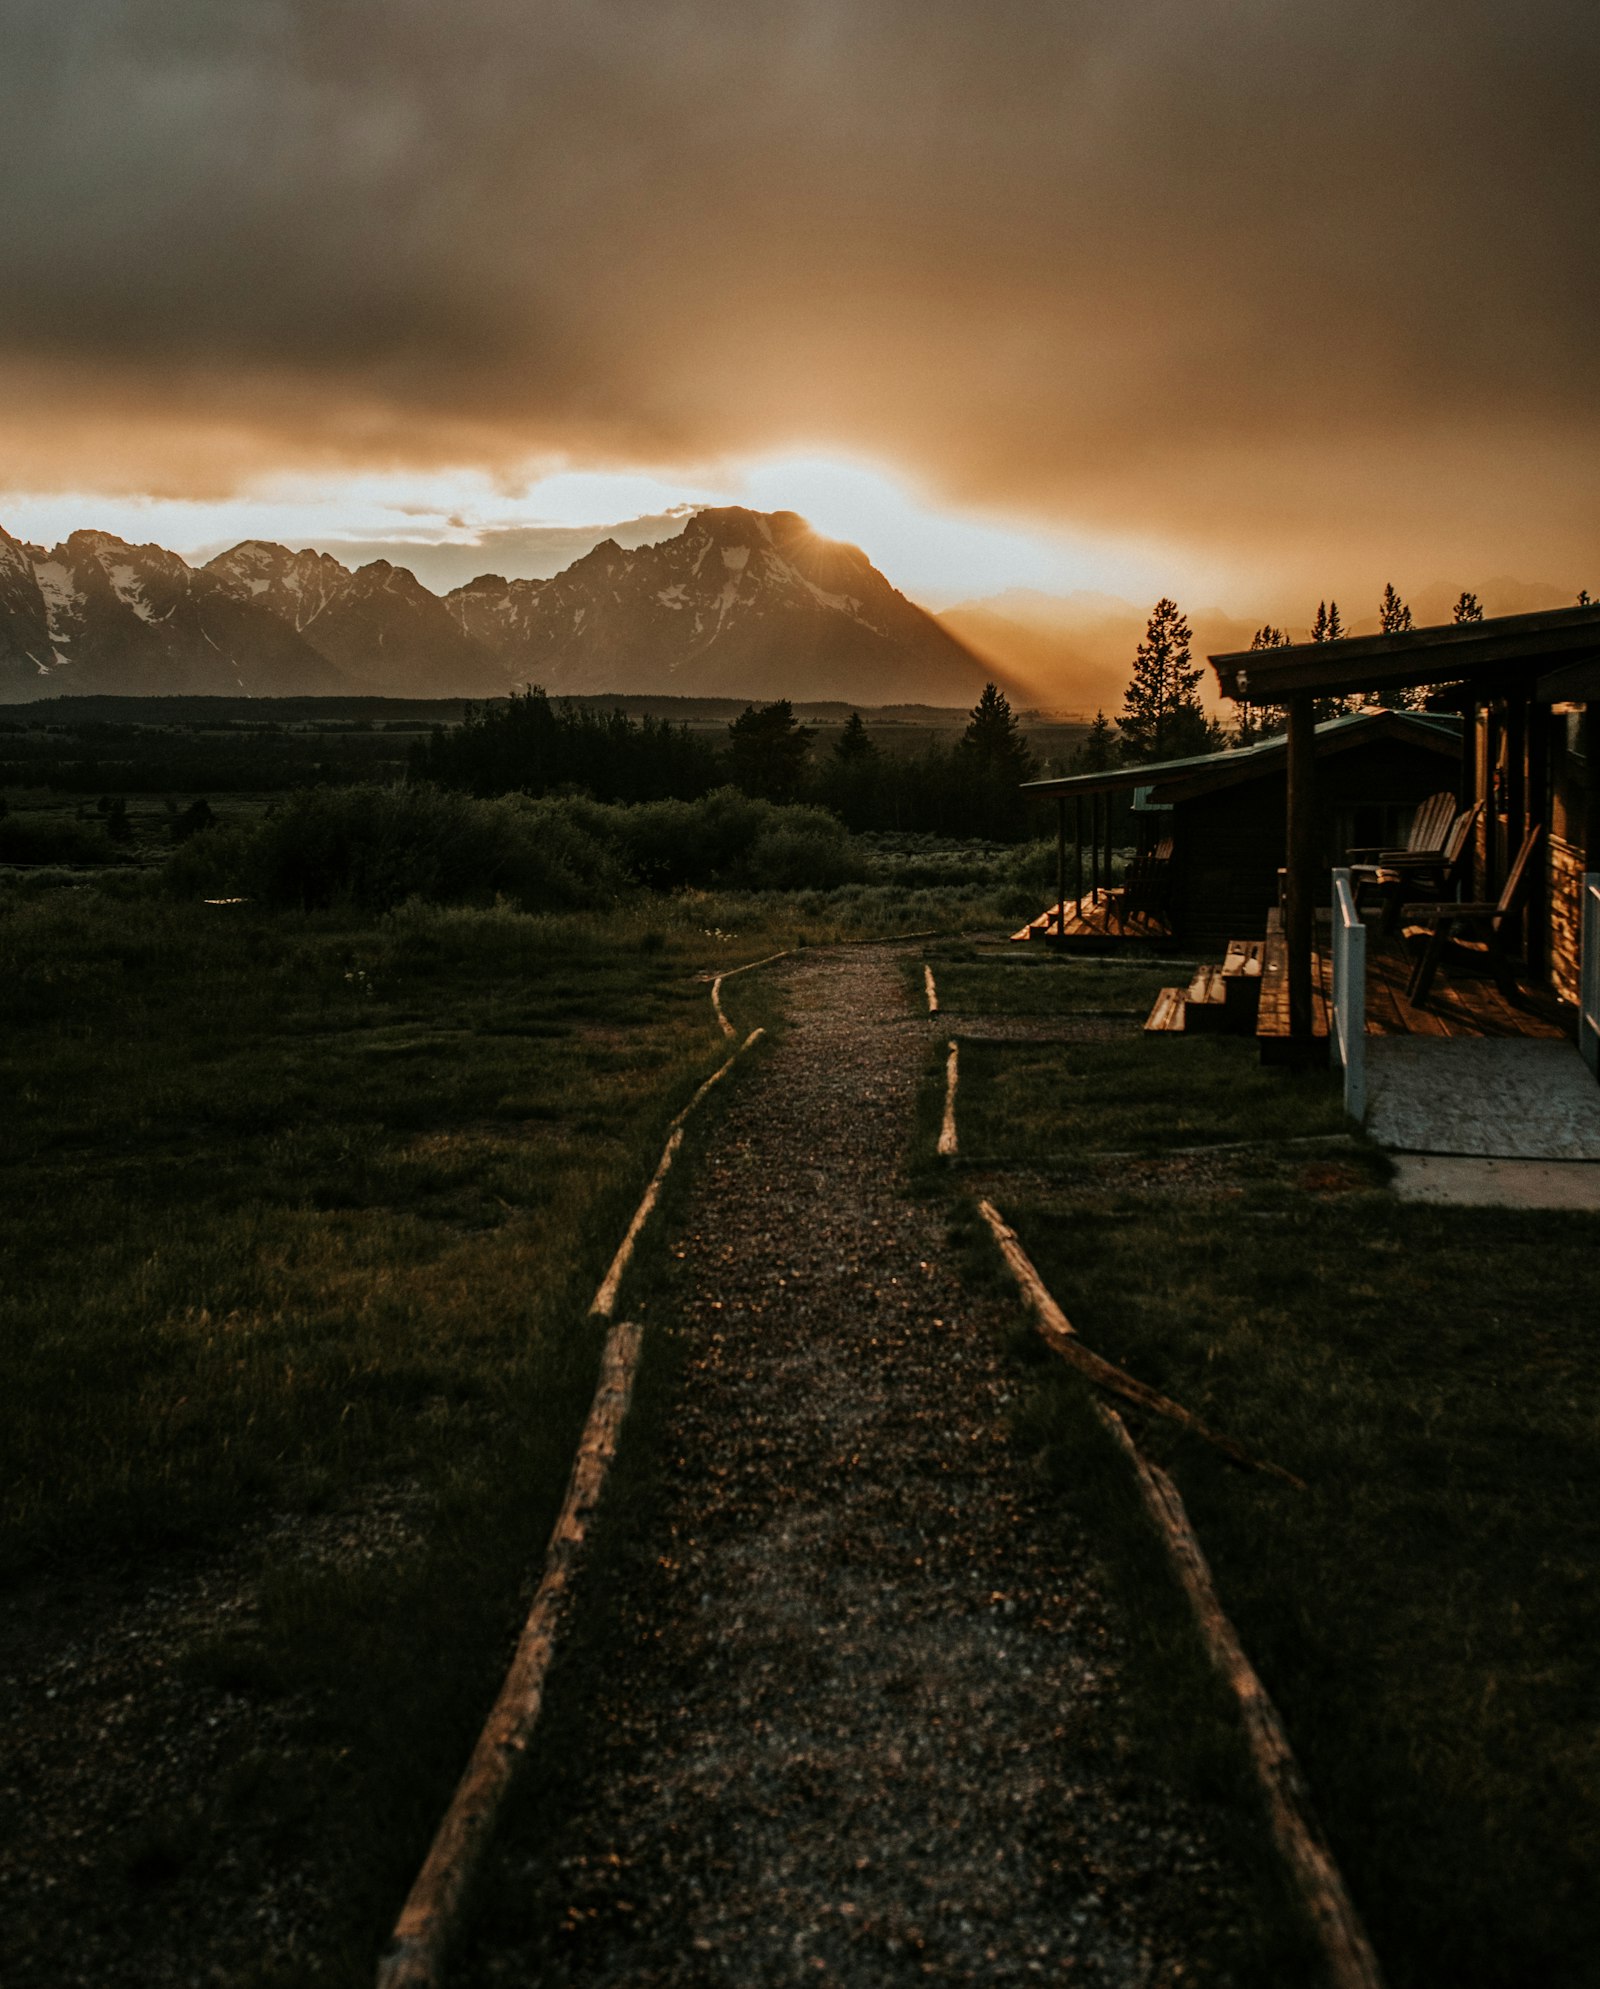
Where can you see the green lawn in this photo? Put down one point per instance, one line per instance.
(1032, 980)
(301, 1220)
(1426, 1617)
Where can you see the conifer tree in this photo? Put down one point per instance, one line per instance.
(993, 761)
(1098, 751)
(1394, 617)
(851, 779)
(1161, 715)
(1260, 721)
(1328, 628)
(767, 750)
(854, 743)
(1468, 609)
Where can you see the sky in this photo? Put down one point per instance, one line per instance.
(1246, 301)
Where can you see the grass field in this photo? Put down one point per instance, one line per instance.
(301, 1219)
(1426, 1616)
(302, 1214)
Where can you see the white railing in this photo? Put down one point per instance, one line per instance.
(1348, 1033)
(1589, 974)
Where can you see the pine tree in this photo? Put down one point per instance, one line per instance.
(1328, 628)
(1161, 716)
(1394, 617)
(1468, 609)
(993, 760)
(1260, 721)
(854, 744)
(851, 780)
(1098, 751)
(767, 750)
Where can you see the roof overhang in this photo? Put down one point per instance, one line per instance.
(1181, 780)
(1511, 655)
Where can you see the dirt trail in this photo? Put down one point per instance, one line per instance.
(862, 1722)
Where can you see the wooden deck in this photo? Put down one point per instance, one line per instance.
(1464, 1000)
(1094, 925)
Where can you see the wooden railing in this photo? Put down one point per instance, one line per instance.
(1347, 1031)
(1589, 974)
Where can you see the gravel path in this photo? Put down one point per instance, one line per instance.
(861, 1724)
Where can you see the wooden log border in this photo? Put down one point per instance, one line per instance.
(952, 1077)
(605, 1298)
(1352, 1964)
(930, 987)
(1060, 1336)
(415, 1955)
(1296, 1831)
(749, 966)
(716, 1007)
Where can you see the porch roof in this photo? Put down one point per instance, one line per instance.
(1168, 781)
(1510, 652)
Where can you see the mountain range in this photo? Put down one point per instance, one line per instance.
(740, 603)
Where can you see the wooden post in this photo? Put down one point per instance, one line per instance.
(1489, 760)
(1301, 883)
(1077, 849)
(1061, 866)
(1094, 845)
(1591, 787)
(1536, 810)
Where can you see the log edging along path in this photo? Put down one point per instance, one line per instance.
(1299, 1837)
(414, 1958)
(1060, 1335)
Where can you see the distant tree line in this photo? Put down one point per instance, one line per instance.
(535, 745)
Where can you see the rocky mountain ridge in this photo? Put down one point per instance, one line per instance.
(740, 603)
(97, 614)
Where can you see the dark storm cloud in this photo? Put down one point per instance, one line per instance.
(1218, 268)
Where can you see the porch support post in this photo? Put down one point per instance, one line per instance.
(1094, 844)
(1536, 786)
(1591, 796)
(1300, 891)
(1061, 866)
(1077, 850)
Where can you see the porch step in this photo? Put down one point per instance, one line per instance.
(1241, 977)
(1205, 1003)
(1167, 1015)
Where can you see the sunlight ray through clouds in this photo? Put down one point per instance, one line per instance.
(936, 555)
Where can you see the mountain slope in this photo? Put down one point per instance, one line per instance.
(105, 616)
(379, 625)
(741, 603)
(25, 653)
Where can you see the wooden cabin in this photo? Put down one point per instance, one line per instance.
(1224, 814)
(1526, 689)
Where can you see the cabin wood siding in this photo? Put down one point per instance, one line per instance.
(1228, 847)
(1566, 917)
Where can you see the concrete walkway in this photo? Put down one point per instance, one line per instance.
(1521, 1098)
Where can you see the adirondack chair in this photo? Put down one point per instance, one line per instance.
(1490, 922)
(1146, 885)
(1426, 837)
(1435, 872)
